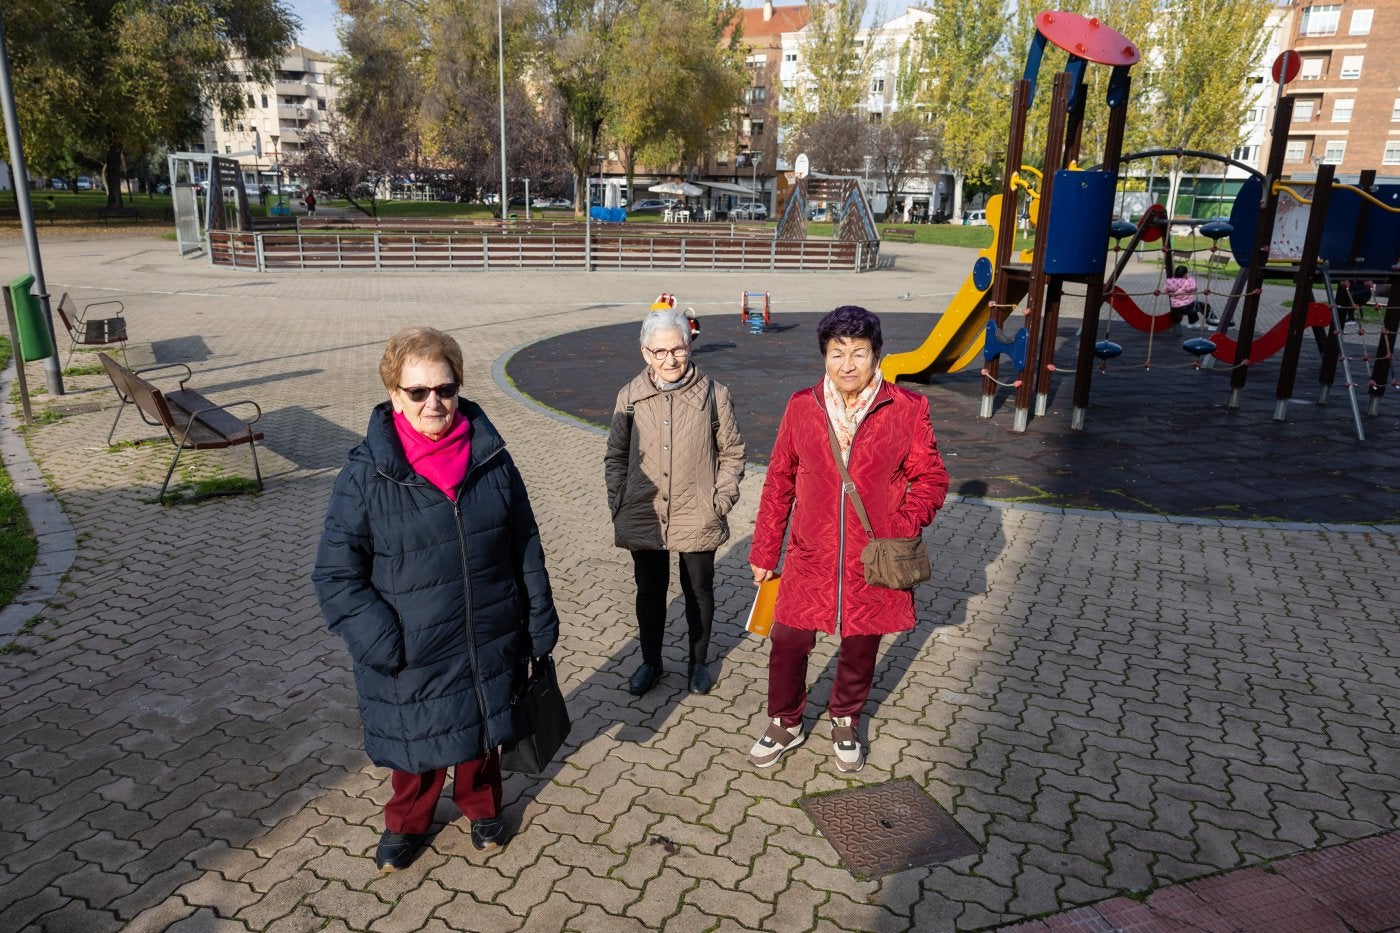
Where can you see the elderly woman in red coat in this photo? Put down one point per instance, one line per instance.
(887, 441)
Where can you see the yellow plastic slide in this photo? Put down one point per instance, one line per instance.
(957, 339)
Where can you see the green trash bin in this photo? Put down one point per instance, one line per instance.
(35, 342)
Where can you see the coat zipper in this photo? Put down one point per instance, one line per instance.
(466, 585)
(841, 534)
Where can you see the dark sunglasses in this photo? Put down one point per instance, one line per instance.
(420, 393)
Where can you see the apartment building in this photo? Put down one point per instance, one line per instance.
(1346, 110)
(754, 156)
(299, 101)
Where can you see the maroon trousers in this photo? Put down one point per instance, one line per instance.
(476, 789)
(787, 674)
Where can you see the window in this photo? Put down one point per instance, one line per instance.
(1335, 151)
(722, 158)
(320, 103)
(789, 56)
(1246, 154)
(227, 149)
(927, 115)
(1351, 66)
(1312, 68)
(1341, 109)
(1320, 20)
(1391, 156)
(757, 94)
(1256, 115)
(746, 128)
(1297, 150)
(877, 86)
(874, 116)
(1395, 111)
(757, 61)
(1303, 110)
(756, 128)
(250, 100)
(240, 126)
(264, 100)
(1360, 22)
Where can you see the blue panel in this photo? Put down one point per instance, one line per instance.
(1244, 218)
(982, 273)
(1380, 246)
(1081, 214)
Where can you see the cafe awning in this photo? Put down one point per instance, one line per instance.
(726, 188)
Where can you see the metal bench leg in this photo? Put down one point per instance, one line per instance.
(120, 408)
(256, 471)
(169, 473)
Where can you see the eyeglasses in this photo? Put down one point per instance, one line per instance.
(420, 393)
(679, 353)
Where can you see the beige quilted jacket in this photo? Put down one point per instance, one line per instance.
(671, 479)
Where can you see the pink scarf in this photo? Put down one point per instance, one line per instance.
(442, 462)
(845, 418)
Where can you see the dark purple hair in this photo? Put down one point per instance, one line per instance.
(853, 323)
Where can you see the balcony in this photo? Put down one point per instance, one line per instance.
(285, 112)
(293, 88)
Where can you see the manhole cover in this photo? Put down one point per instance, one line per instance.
(886, 828)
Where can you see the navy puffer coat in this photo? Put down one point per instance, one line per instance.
(436, 600)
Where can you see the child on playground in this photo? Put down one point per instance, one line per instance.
(1181, 293)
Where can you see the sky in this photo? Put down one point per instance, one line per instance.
(318, 19)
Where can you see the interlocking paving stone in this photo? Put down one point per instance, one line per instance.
(1229, 685)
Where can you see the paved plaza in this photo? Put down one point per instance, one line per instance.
(1111, 705)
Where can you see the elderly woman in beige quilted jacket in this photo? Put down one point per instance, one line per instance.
(675, 458)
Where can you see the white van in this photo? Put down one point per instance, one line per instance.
(975, 218)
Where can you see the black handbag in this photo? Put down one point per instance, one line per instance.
(541, 720)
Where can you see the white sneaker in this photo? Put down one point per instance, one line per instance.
(849, 756)
(773, 743)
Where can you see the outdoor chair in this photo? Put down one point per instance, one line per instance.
(88, 331)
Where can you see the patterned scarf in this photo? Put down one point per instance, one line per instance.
(846, 417)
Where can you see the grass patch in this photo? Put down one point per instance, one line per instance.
(91, 369)
(18, 548)
(193, 490)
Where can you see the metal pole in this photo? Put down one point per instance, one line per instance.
(501, 62)
(20, 178)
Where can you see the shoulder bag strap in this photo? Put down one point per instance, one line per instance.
(848, 485)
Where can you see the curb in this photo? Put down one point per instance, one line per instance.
(58, 545)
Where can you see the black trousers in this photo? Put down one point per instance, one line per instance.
(652, 570)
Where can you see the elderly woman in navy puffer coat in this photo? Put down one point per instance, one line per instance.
(430, 568)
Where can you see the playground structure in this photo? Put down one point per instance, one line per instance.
(1345, 238)
(755, 311)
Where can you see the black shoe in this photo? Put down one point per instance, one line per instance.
(644, 679)
(398, 850)
(699, 678)
(488, 834)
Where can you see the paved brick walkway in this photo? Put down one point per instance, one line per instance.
(180, 749)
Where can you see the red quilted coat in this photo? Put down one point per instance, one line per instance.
(896, 467)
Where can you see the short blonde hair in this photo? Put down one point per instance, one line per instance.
(418, 343)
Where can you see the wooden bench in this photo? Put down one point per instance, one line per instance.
(191, 421)
(898, 234)
(92, 332)
(119, 213)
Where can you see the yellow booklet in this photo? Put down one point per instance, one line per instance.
(761, 615)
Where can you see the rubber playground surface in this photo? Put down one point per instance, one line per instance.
(1159, 439)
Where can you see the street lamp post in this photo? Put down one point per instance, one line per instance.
(277, 157)
(501, 65)
(753, 159)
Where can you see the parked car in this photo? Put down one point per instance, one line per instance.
(58, 184)
(975, 219)
(656, 204)
(749, 210)
(551, 203)
(84, 183)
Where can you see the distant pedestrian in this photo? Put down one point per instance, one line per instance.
(430, 568)
(310, 203)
